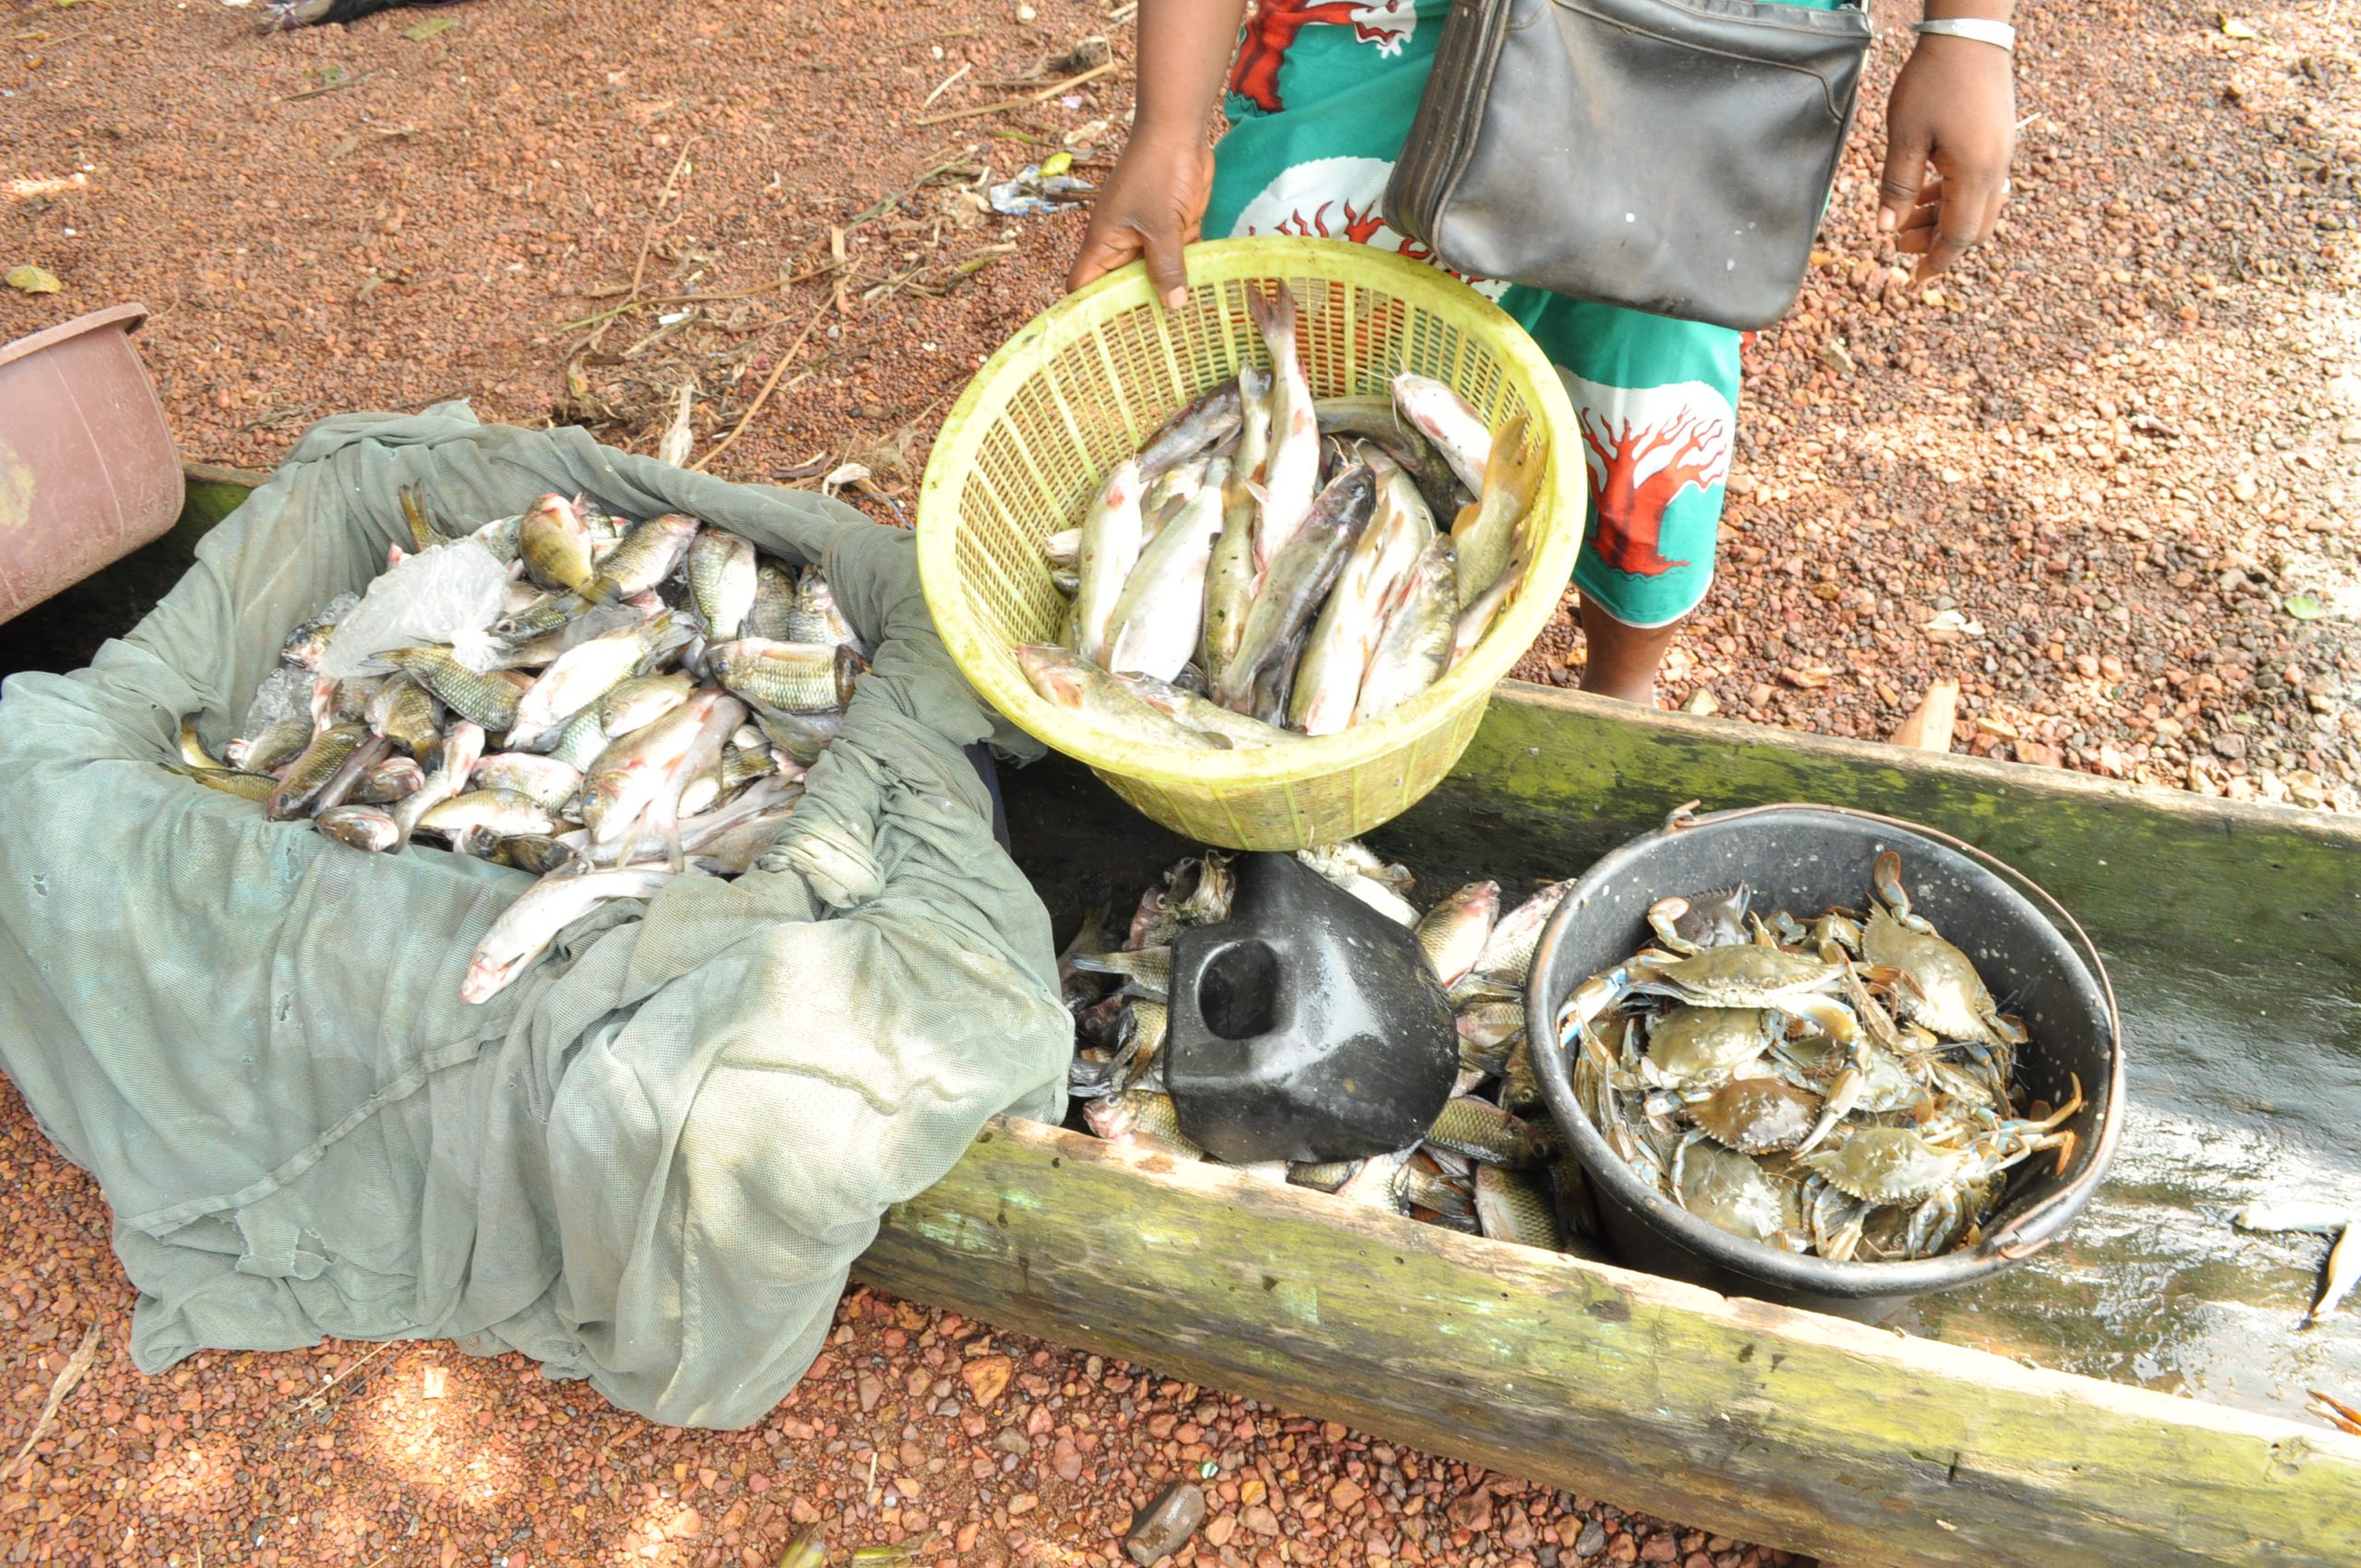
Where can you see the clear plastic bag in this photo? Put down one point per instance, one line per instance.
(285, 692)
(449, 594)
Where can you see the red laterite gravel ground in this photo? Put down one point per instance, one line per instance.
(2121, 444)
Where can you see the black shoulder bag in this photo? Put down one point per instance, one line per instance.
(1670, 156)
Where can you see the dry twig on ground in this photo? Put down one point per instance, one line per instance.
(68, 1379)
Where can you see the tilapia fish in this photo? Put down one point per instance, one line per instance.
(723, 576)
(815, 616)
(488, 699)
(361, 827)
(555, 543)
(583, 674)
(1508, 952)
(1453, 933)
(645, 558)
(390, 780)
(641, 700)
(614, 747)
(403, 711)
(788, 677)
(771, 616)
(1140, 1120)
(309, 775)
(280, 743)
(525, 930)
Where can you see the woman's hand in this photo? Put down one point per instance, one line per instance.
(1955, 107)
(1151, 205)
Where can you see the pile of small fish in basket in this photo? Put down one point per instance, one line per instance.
(1492, 1162)
(644, 704)
(1839, 1086)
(1268, 566)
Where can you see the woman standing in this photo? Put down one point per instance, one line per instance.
(1320, 97)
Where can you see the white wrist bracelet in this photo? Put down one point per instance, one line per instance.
(1998, 34)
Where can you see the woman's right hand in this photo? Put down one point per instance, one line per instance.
(1151, 205)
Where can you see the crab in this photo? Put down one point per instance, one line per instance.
(1947, 1180)
(1748, 976)
(1834, 1221)
(1688, 926)
(1632, 1136)
(1732, 1191)
(1200, 890)
(1753, 1115)
(1705, 1045)
(1940, 989)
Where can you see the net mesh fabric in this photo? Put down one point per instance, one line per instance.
(651, 1161)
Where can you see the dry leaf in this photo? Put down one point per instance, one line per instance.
(2239, 28)
(32, 280)
(986, 1376)
(429, 28)
(842, 475)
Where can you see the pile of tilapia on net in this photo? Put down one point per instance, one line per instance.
(1268, 566)
(602, 703)
(1493, 1161)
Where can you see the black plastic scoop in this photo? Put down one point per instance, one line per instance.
(1307, 1027)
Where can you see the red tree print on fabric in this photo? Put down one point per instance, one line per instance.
(1630, 508)
(1359, 224)
(1255, 75)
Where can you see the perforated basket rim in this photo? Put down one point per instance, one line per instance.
(992, 669)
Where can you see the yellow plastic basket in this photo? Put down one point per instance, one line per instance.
(1087, 382)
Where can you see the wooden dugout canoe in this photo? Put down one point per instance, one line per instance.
(2132, 1396)
(1950, 1436)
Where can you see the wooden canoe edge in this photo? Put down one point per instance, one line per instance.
(1791, 1429)
(218, 474)
(1981, 775)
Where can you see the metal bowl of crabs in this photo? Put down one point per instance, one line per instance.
(1825, 1057)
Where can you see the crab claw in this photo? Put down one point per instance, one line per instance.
(1664, 917)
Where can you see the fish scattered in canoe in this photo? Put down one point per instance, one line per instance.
(1286, 556)
(1482, 1167)
(2340, 1222)
(655, 693)
(1844, 1086)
